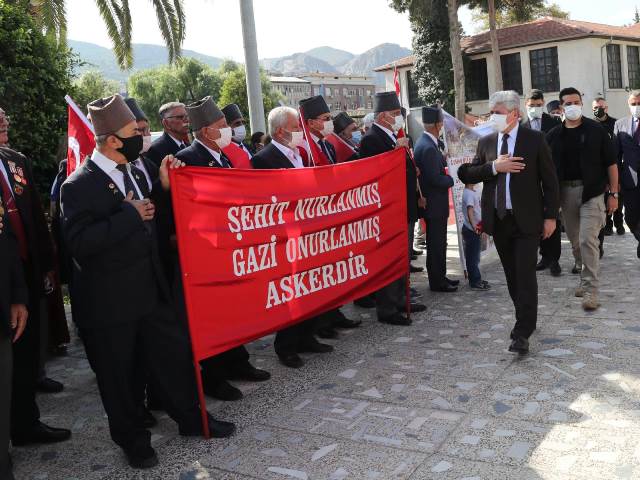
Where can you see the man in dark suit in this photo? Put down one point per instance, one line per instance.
(435, 185)
(13, 318)
(282, 152)
(538, 119)
(520, 202)
(380, 138)
(108, 220)
(175, 123)
(212, 135)
(343, 139)
(627, 137)
(25, 215)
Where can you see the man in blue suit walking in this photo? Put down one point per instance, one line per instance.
(435, 185)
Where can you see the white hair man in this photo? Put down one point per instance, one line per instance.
(515, 209)
(175, 123)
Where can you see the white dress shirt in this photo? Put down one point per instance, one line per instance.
(392, 136)
(178, 142)
(535, 123)
(511, 142)
(215, 154)
(108, 166)
(6, 176)
(293, 156)
(140, 166)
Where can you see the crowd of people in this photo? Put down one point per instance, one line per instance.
(113, 223)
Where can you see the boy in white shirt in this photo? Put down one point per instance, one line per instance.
(471, 237)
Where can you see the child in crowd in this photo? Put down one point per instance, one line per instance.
(471, 237)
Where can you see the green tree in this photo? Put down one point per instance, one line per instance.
(636, 16)
(234, 90)
(51, 16)
(511, 12)
(36, 75)
(92, 85)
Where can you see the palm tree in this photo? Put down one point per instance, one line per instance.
(51, 15)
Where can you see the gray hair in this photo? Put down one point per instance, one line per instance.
(509, 98)
(634, 93)
(167, 107)
(368, 119)
(102, 139)
(278, 118)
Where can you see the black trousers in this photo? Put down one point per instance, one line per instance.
(393, 297)
(6, 360)
(157, 340)
(518, 254)
(551, 248)
(291, 339)
(26, 365)
(632, 210)
(437, 251)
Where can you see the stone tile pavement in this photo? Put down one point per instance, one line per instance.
(442, 399)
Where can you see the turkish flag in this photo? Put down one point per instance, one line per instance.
(237, 156)
(315, 157)
(261, 250)
(344, 151)
(80, 137)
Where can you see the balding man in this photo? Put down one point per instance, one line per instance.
(175, 123)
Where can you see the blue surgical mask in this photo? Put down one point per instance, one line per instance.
(356, 136)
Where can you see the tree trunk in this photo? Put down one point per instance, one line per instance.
(456, 59)
(495, 49)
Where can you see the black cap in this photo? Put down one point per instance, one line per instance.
(553, 105)
(342, 121)
(135, 109)
(431, 115)
(232, 112)
(386, 102)
(313, 107)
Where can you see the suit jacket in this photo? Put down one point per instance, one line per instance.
(535, 193)
(628, 153)
(13, 289)
(161, 147)
(548, 122)
(35, 225)
(434, 182)
(197, 155)
(376, 141)
(117, 270)
(271, 157)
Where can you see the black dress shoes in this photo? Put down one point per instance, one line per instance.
(638, 251)
(365, 302)
(222, 390)
(40, 433)
(396, 319)
(576, 269)
(555, 269)
(291, 360)
(519, 345)
(327, 332)
(250, 373)
(542, 265)
(315, 346)
(414, 256)
(414, 308)
(608, 230)
(415, 269)
(217, 429)
(141, 456)
(347, 323)
(445, 289)
(453, 283)
(49, 385)
(620, 230)
(416, 252)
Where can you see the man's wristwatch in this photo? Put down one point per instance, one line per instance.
(614, 195)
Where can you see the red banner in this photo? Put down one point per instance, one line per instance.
(264, 249)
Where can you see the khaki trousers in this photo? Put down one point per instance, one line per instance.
(583, 222)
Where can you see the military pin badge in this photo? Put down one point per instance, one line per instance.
(17, 178)
(18, 190)
(211, 164)
(12, 167)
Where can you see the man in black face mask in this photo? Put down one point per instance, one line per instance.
(125, 310)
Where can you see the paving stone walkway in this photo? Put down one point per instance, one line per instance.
(442, 399)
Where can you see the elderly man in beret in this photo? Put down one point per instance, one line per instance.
(125, 306)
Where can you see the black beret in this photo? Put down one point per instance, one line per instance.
(313, 107)
(431, 115)
(135, 109)
(232, 112)
(342, 121)
(385, 102)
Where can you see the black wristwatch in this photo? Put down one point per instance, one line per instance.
(614, 195)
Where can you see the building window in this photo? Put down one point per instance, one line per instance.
(511, 72)
(412, 90)
(477, 83)
(544, 69)
(614, 66)
(633, 62)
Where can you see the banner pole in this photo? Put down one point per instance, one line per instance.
(203, 404)
(408, 292)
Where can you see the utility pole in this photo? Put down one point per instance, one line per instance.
(252, 67)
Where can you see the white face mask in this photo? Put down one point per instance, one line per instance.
(534, 112)
(327, 128)
(398, 123)
(225, 137)
(573, 112)
(146, 143)
(240, 133)
(297, 139)
(635, 110)
(498, 122)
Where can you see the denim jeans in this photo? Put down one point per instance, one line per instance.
(471, 242)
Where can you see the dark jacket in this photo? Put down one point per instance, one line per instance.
(161, 147)
(35, 225)
(197, 155)
(628, 152)
(534, 191)
(609, 125)
(597, 154)
(376, 141)
(270, 157)
(434, 182)
(117, 270)
(548, 122)
(13, 289)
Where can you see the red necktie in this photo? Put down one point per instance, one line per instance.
(14, 217)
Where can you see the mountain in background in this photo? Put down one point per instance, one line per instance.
(332, 56)
(144, 56)
(367, 61)
(296, 64)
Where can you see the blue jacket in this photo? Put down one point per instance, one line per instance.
(434, 182)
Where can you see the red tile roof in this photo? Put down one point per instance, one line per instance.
(542, 30)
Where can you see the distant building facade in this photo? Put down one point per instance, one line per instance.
(344, 93)
(293, 89)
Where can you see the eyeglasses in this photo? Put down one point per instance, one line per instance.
(181, 117)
